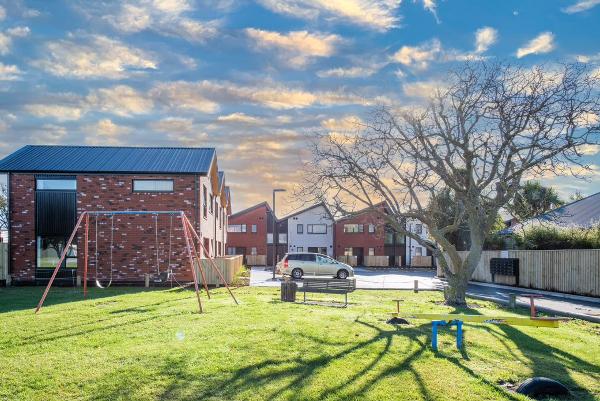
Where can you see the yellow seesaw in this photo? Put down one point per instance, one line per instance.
(514, 321)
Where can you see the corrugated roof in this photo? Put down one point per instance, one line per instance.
(581, 213)
(108, 159)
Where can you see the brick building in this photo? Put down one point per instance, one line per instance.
(366, 234)
(247, 231)
(50, 186)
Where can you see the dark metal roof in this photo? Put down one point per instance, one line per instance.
(108, 159)
(251, 208)
(221, 179)
(321, 204)
(581, 213)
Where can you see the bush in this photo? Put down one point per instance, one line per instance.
(544, 237)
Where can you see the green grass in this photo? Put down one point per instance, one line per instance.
(130, 344)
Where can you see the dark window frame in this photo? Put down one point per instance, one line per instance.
(299, 228)
(310, 229)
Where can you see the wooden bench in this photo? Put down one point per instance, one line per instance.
(329, 286)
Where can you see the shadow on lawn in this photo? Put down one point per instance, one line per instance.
(543, 359)
(296, 378)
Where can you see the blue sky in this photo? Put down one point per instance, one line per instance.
(255, 79)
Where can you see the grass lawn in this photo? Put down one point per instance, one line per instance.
(131, 344)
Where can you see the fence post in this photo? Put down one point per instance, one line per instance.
(146, 280)
(512, 301)
(416, 286)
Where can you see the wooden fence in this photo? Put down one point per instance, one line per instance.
(376, 261)
(3, 260)
(573, 271)
(229, 266)
(349, 260)
(421, 261)
(256, 260)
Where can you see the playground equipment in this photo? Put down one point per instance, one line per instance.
(190, 247)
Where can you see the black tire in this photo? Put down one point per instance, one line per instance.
(297, 273)
(542, 387)
(342, 274)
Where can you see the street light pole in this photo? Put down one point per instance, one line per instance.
(274, 235)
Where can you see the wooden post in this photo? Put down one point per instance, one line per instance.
(416, 286)
(191, 259)
(200, 268)
(512, 301)
(62, 258)
(78, 280)
(210, 259)
(85, 253)
(146, 280)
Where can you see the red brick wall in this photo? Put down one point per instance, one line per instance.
(134, 252)
(22, 227)
(365, 239)
(249, 239)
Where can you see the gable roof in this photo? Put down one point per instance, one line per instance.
(251, 208)
(307, 209)
(109, 159)
(362, 211)
(580, 213)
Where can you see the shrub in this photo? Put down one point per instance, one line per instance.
(542, 237)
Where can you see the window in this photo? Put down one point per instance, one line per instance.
(300, 249)
(347, 251)
(418, 251)
(253, 251)
(254, 228)
(50, 249)
(389, 238)
(56, 184)
(204, 196)
(316, 228)
(353, 228)
(300, 228)
(371, 251)
(419, 229)
(152, 185)
(371, 228)
(236, 228)
(283, 238)
(269, 238)
(230, 250)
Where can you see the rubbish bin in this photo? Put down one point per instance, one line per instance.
(288, 291)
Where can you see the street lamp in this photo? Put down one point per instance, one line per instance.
(274, 230)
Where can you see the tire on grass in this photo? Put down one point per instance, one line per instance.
(538, 387)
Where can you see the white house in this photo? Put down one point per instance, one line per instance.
(413, 248)
(311, 230)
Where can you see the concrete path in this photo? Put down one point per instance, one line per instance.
(587, 308)
(372, 279)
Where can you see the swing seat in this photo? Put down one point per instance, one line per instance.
(161, 277)
(99, 284)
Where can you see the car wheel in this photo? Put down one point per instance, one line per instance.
(342, 274)
(297, 273)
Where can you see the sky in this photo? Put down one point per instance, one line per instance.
(257, 79)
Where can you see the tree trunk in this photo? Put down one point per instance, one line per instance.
(457, 290)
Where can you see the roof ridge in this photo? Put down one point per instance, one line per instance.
(119, 147)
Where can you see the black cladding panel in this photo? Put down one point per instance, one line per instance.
(55, 212)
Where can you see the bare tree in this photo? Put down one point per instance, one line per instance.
(489, 128)
(3, 207)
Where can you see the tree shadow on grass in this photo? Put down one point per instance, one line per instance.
(543, 359)
(297, 378)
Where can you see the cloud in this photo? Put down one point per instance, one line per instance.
(296, 48)
(581, 5)
(206, 96)
(19, 31)
(422, 89)
(379, 15)
(418, 57)
(60, 106)
(183, 94)
(431, 6)
(121, 100)
(93, 56)
(5, 43)
(484, 38)
(239, 118)
(2, 13)
(346, 123)
(589, 149)
(165, 17)
(173, 125)
(9, 72)
(105, 132)
(350, 72)
(543, 43)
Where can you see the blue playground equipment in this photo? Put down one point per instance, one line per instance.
(450, 323)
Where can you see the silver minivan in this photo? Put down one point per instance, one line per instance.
(299, 264)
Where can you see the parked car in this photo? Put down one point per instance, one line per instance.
(299, 264)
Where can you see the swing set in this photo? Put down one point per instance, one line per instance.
(190, 238)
